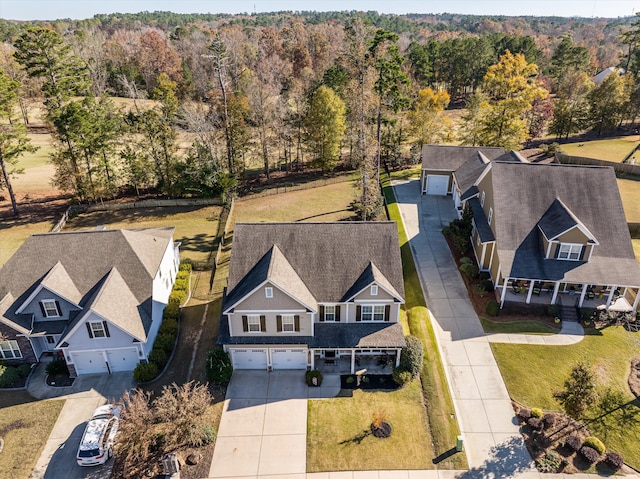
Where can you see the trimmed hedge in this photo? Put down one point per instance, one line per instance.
(590, 454)
(181, 284)
(171, 311)
(158, 357)
(145, 372)
(177, 297)
(185, 265)
(466, 260)
(165, 342)
(470, 269)
(183, 275)
(553, 310)
(523, 415)
(218, 366)
(412, 357)
(24, 370)
(493, 308)
(310, 378)
(8, 375)
(169, 326)
(595, 443)
(613, 460)
(549, 420)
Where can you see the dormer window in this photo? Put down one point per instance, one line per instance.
(374, 290)
(268, 292)
(50, 308)
(569, 251)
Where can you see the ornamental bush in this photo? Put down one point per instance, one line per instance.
(172, 311)
(488, 285)
(219, 369)
(536, 412)
(310, 378)
(168, 326)
(493, 308)
(145, 372)
(470, 269)
(57, 367)
(165, 342)
(401, 376)
(535, 423)
(549, 463)
(595, 443)
(590, 454)
(549, 420)
(158, 357)
(181, 284)
(466, 260)
(8, 375)
(412, 357)
(24, 370)
(178, 297)
(185, 265)
(573, 442)
(183, 275)
(553, 310)
(523, 415)
(613, 460)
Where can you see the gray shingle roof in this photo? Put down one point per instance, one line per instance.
(558, 219)
(59, 281)
(523, 193)
(328, 257)
(87, 257)
(480, 219)
(471, 170)
(369, 275)
(450, 158)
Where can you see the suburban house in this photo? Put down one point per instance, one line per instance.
(94, 297)
(303, 293)
(552, 233)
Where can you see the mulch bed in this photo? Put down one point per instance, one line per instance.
(370, 381)
(20, 383)
(60, 381)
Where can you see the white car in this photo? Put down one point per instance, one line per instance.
(96, 446)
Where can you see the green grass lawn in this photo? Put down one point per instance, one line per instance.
(524, 327)
(533, 373)
(339, 438)
(196, 226)
(630, 194)
(408, 174)
(15, 232)
(613, 149)
(25, 425)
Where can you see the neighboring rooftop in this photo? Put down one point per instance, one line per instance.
(450, 158)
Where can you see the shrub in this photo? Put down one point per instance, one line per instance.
(219, 367)
(172, 311)
(488, 285)
(24, 370)
(535, 423)
(168, 326)
(493, 308)
(401, 376)
(470, 269)
(145, 372)
(314, 374)
(57, 367)
(550, 462)
(460, 231)
(185, 265)
(466, 260)
(158, 357)
(553, 310)
(536, 412)
(484, 275)
(586, 313)
(208, 434)
(8, 375)
(412, 357)
(595, 443)
(177, 297)
(349, 380)
(613, 460)
(165, 342)
(181, 285)
(480, 289)
(183, 275)
(589, 453)
(523, 415)
(573, 442)
(549, 420)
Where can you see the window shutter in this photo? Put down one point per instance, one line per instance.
(58, 308)
(279, 323)
(44, 313)
(263, 323)
(88, 329)
(387, 312)
(557, 251)
(321, 313)
(106, 329)
(296, 323)
(245, 324)
(358, 313)
(582, 252)
(338, 313)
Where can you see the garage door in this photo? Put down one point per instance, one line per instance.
(289, 358)
(249, 358)
(123, 359)
(437, 184)
(90, 362)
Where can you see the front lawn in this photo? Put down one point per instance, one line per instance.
(533, 373)
(525, 326)
(25, 425)
(630, 194)
(613, 149)
(14, 232)
(339, 438)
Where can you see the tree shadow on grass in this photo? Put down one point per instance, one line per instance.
(357, 439)
(507, 459)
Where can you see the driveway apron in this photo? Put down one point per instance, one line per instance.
(480, 397)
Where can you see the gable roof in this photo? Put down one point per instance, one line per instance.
(450, 158)
(76, 262)
(328, 258)
(558, 219)
(370, 275)
(467, 174)
(524, 193)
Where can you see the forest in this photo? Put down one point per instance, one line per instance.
(212, 100)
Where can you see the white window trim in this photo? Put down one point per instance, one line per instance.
(93, 330)
(380, 310)
(268, 292)
(255, 318)
(482, 199)
(50, 302)
(13, 347)
(571, 250)
(374, 290)
(333, 306)
(490, 215)
(288, 320)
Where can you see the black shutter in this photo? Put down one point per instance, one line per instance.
(322, 313)
(58, 308)
(263, 324)
(279, 323)
(582, 252)
(296, 323)
(358, 313)
(338, 313)
(88, 325)
(245, 324)
(106, 329)
(387, 312)
(557, 251)
(44, 313)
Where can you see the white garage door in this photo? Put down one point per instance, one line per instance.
(249, 358)
(289, 358)
(437, 184)
(90, 362)
(123, 359)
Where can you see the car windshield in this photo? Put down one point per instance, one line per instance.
(89, 453)
(102, 416)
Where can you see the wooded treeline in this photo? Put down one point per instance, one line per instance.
(290, 90)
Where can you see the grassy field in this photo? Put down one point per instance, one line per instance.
(196, 226)
(533, 373)
(630, 193)
(339, 438)
(15, 232)
(613, 149)
(36, 179)
(25, 425)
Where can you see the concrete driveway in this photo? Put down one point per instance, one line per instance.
(58, 459)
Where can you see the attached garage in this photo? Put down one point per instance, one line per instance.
(289, 358)
(89, 362)
(123, 359)
(437, 184)
(249, 358)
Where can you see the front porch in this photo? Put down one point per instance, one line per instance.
(352, 360)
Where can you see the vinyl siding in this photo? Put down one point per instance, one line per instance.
(366, 295)
(258, 301)
(574, 235)
(80, 339)
(486, 186)
(394, 312)
(271, 324)
(34, 306)
(487, 256)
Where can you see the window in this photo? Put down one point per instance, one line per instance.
(482, 199)
(374, 290)
(372, 313)
(288, 324)
(51, 340)
(253, 324)
(378, 313)
(490, 215)
(50, 308)
(367, 313)
(268, 292)
(329, 313)
(10, 350)
(569, 251)
(97, 330)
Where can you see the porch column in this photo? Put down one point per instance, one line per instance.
(313, 359)
(556, 288)
(635, 303)
(582, 295)
(484, 252)
(353, 361)
(398, 351)
(610, 297)
(504, 291)
(530, 291)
